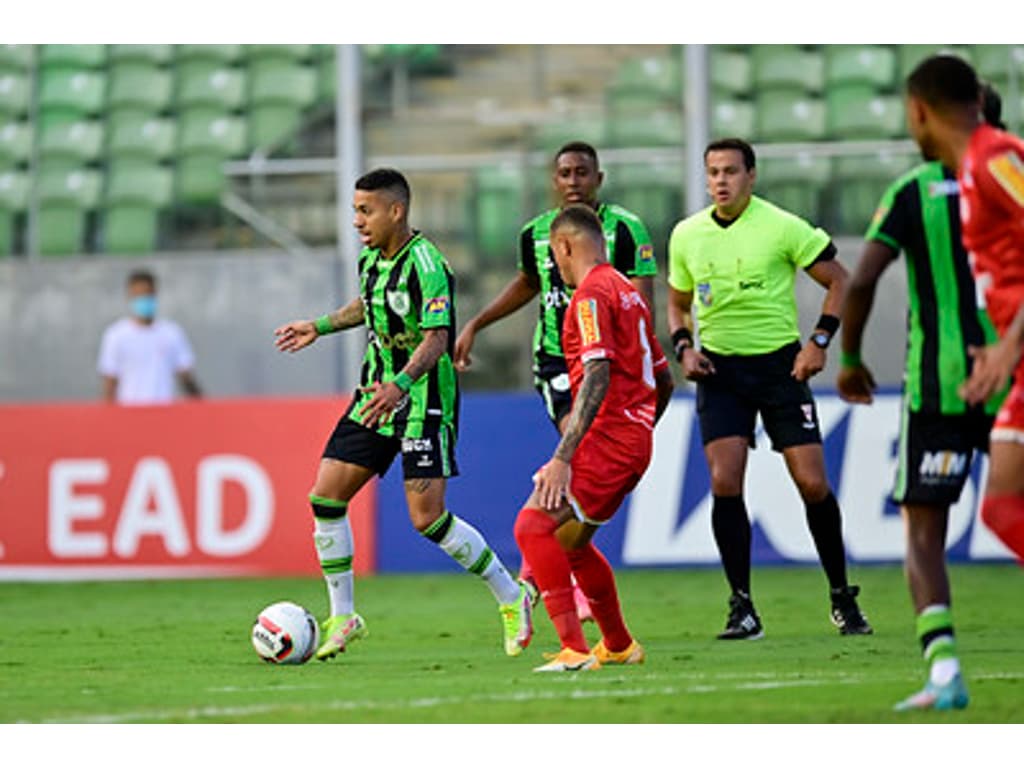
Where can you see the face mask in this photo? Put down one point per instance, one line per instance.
(144, 307)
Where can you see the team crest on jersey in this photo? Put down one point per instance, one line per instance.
(645, 254)
(1008, 170)
(586, 315)
(704, 293)
(399, 302)
(437, 306)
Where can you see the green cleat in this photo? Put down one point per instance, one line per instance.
(952, 695)
(340, 631)
(517, 621)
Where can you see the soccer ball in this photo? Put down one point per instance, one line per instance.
(285, 633)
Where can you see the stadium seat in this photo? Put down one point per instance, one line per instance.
(662, 128)
(16, 58)
(787, 117)
(867, 65)
(278, 94)
(731, 72)
(67, 96)
(205, 140)
(658, 77)
(15, 94)
(73, 57)
(134, 196)
(857, 112)
(153, 55)
(549, 136)
(651, 191)
(141, 138)
(220, 54)
(64, 198)
(14, 189)
(70, 145)
(210, 84)
(733, 117)
(787, 67)
(286, 54)
(997, 62)
(15, 144)
(910, 56)
(860, 182)
(326, 74)
(138, 87)
(796, 183)
(498, 216)
(420, 59)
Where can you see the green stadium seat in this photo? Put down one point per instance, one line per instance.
(549, 136)
(14, 191)
(731, 72)
(70, 145)
(64, 199)
(67, 96)
(205, 140)
(733, 117)
(138, 87)
(787, 67)
(861, 180)
(134, 196)
(661, 128)
(910, 56)
(210, 84)
(868, 65)
(220, 54)
(153, 55)
(326, 74)
(796, 183)
(997, 62)
(420, 59)
(498, 216)
(15, 94)
(278, 94)
(289, 54)
(860, 113)
(651, 191)
(787, 117)
(72, 56)
(16, 58)
(657, 76)
(15, 144)
(141, 138)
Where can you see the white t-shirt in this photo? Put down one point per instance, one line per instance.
(144, 359)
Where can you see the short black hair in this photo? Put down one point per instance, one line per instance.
(749, 159)
(578, 146)
(581, 217)
(387, 179)
(992, 106)
(141, 276)
(943, 81)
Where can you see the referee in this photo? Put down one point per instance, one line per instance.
(739, 257)
(920, 215)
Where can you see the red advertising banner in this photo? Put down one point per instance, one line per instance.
(207, 488)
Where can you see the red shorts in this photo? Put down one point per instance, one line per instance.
(1009, 424)
(604, 471)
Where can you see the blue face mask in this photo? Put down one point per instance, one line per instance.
(144, 307)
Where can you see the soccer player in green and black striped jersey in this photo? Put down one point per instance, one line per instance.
(939, 433)
(407, 403)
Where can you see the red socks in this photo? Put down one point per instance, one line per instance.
(535, 534)
(1004, 515)
(596, 579)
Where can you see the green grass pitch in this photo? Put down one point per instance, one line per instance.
(179, 652)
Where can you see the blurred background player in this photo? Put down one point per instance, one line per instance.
(143, 357)
(944, 113)
(920, 216)
(620, 385)
(740, 257)
(407, 403)
(577, 178)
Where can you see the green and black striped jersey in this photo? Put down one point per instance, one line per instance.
(403, 296)
(629, 250)
(919, 215)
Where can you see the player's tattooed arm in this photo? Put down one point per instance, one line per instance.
(427, 353)
(348, 316)
(596, 377)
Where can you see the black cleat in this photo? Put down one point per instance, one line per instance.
(845, 613)
(743, 622)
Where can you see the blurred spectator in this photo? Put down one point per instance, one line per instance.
(141, 355)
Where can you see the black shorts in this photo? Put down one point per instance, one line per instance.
(934, 455)
(428, 456)
(744, 386)
(551, 378)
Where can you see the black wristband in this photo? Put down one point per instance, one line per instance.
(681, 339)
(828, 323)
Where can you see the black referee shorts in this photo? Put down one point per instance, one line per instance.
(743, 386)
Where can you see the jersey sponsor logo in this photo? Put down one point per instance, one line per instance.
(384, 341)
(556, 298)
(1008, 170)
(944, 188)
(586, 315)
(414, 444)
(942, 464)
(645, 254)
(752, 285)
(704, 294)
(399, 302)
(436, 306)
(630, 299)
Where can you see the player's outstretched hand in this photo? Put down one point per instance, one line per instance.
(809, 361)
(695, 365)
(552, 484)
(295, 335)
(991, 370)
(856, 384)
(463, 345)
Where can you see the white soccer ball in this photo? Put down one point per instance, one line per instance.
(285, 633)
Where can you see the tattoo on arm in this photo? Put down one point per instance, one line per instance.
(596, 376)
(348, 316)
(429, 351)
(418, 485)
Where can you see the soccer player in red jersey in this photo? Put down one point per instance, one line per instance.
(944, 113)
(620, 384)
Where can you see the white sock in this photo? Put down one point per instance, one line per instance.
(466, 546)
(944, 670)
(333, 539)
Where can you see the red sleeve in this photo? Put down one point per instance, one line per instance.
(657, 353)
(1000, 180)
